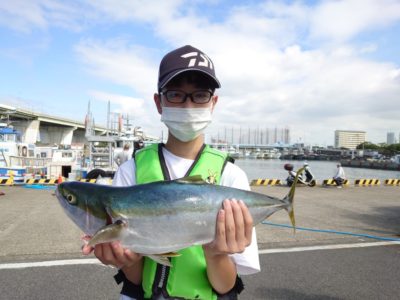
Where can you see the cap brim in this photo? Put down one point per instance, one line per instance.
(173, 74)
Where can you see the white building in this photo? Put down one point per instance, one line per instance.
(349, 139)
(390, 138)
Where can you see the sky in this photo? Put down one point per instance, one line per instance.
(311, 66)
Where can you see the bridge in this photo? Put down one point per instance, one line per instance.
(44, 129)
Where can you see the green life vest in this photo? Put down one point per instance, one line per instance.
(187, 278)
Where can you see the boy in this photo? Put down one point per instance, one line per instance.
(186, 100)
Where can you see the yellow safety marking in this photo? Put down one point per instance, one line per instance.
(8, 181)
(331, 182)
(265, 182)
(392, 182)
(367, 182)
(41, 181)
(88, 180)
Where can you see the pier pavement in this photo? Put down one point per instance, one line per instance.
(33, 229)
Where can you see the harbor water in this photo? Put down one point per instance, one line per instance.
(273, 169)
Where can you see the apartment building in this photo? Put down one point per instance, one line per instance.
(349, 139)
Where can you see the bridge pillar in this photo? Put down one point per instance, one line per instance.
(31, 133)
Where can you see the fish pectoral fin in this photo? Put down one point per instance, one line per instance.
(108, 233)
(195, 179)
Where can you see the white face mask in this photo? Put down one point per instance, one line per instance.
(186, 123)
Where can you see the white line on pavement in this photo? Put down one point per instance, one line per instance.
(50, 263)
(328, 247)
(94, 261)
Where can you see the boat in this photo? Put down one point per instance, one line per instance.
(17, 159)
(68, 162)
(234, 152)
(256, 154)
(271, 154)
(395, 159)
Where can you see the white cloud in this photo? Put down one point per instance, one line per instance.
(342, 20)
(279, 64)
(265, 81)
(121, 63)
(136, 109)
(26, 16)
(136, 10)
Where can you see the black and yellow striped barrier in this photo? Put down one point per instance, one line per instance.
(266, 182)
(366, 182)
(392, 182)
(41, 181)
(8, 181)
(331, 182)
(88, 180)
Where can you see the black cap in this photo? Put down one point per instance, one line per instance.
(186, 58)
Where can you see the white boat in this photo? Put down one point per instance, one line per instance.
(67, 162)
(396, 159)
(18, 159)
(272, 153)
(234, 152)
(256, 154)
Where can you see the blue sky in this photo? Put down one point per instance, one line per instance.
(314, 66)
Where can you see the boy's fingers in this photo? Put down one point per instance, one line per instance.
(248, 222)
(220, 234)
(86, 250)
(229, 224)
(239, 222)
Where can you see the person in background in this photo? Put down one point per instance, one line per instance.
(122, 156)
(186, 100)
(137, 145)
(339, 177)
(310, 179)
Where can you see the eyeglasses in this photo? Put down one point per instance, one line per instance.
(199, 97)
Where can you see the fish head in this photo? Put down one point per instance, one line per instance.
(82, 202)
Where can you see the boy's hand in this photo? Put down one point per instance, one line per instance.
(233, 229)
(113, 254)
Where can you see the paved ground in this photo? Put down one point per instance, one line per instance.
(33, 229)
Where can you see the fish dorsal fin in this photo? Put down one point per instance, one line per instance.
(194, 179)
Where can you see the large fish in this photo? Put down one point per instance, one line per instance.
(157, 219)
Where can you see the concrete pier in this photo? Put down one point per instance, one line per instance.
(40, 254)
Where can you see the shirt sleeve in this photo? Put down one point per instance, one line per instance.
(125, 174)
(247, 262)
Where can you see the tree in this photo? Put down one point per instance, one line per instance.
(369, 146)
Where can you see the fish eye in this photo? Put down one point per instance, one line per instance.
(71, 199)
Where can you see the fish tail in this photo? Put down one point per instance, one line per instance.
(289, 199)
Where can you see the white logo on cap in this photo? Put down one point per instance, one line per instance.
(202, 61)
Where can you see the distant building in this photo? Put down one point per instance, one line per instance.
(349, 139)
(390, 138)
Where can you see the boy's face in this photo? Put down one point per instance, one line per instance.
(161, 100)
